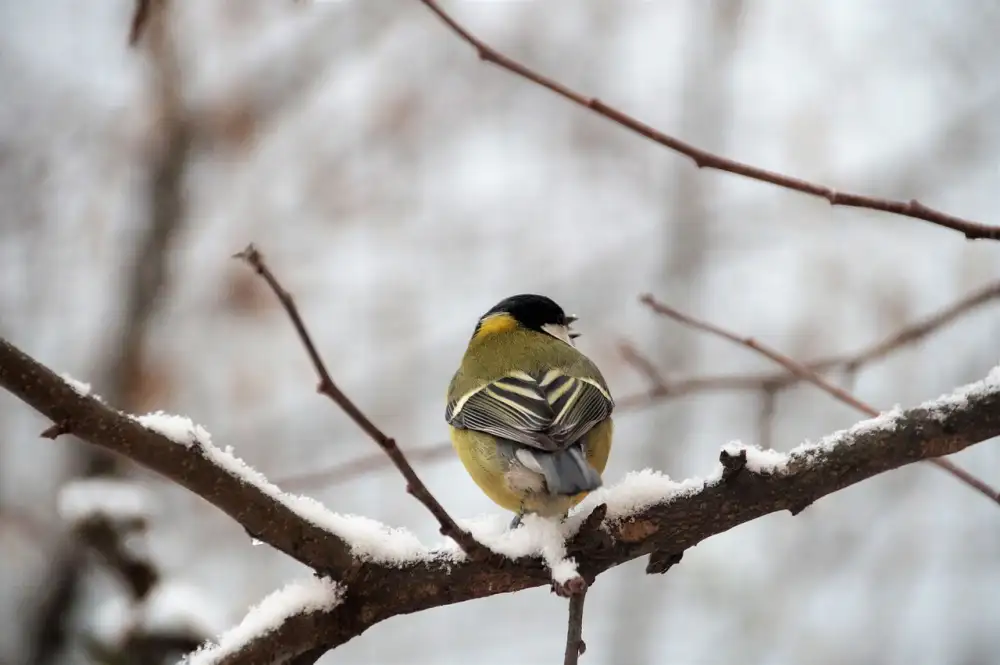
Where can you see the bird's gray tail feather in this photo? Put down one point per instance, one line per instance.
(567, 472)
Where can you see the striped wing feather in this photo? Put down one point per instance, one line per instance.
(549, 412)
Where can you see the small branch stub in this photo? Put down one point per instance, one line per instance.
(661, 561)
(572, 587)
(732, 465)
(55, 430)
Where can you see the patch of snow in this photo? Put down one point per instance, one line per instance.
(301, 597)
(758, 460)
(637, 491)
(179, 429)
(79, 386)
(959, 397)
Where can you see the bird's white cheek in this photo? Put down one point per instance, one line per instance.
(559, 332)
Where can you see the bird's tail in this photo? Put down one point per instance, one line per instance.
(567, 472)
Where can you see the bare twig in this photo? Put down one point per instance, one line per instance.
(575, 646)
(917, 331)
(850, 363)
(809, 375)
(707, 160)
(327, 387)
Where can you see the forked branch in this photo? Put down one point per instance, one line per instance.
(808, 375)
(327, 387)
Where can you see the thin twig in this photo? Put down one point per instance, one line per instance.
(796, 368)
(327, 387)
(850, 363)
(808, 375)
(918, 330)
(575, 646)
(707, 160)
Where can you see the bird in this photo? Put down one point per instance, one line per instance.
(529, 414)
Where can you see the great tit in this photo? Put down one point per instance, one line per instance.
(530, 416)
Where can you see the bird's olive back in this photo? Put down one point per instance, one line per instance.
(493, 356)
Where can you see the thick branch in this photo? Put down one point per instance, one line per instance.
(686, 516)
(93, 421)
(683, 516)
(706, 160)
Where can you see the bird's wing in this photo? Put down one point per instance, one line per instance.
(549, 412)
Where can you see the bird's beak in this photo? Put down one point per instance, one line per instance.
(572, 318)
(574, 335)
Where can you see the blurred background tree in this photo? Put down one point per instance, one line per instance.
(402, 187)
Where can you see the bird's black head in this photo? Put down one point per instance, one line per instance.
(529, 311)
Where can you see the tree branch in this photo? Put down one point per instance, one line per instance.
(414, 486)
(809, 375)
(677, 517)
(686, 514)
(93, 421)
(704, 159)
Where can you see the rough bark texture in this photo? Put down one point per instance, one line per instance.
(376, 592)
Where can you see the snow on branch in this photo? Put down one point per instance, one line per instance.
(184, 452)
(648, 513)
(194, 465)
(299, 599)
(382, 572)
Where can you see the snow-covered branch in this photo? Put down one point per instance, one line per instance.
(181, 456)
(377, 572)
